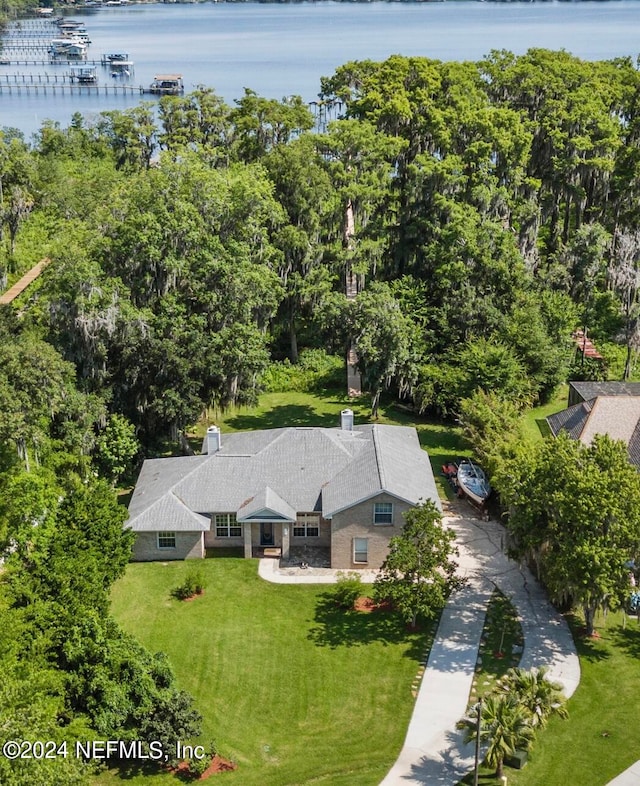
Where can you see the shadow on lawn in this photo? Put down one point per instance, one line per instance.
(283, 415)
(134, 768)
(339, 628)
(593, 649)
(627, 639)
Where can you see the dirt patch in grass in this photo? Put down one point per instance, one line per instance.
(218, 764)
(367, 605)
(582, 632)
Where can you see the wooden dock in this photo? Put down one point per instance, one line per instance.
(35, 79)
(12, 293)
(52, 61)
(72, 87)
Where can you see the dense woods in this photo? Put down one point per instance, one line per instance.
(486, 210)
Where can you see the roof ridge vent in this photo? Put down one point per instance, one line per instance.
(377, 451)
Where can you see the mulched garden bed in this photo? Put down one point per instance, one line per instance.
(367, 605)
(218, 764)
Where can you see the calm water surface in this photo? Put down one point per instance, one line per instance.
(284, 49)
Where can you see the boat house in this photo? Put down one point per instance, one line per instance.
(167, 84)
(83, 75)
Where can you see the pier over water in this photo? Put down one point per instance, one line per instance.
(279, 49)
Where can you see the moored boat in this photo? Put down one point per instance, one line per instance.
(473, 482)
(119, 63)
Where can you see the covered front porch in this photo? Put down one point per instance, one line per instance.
(278, 539)
(272, 528)
(267, 539)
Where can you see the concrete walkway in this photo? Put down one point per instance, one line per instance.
(630, 777)
(433, 752)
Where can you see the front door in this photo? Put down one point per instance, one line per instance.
(266, 533)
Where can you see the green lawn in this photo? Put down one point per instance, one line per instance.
(600, 738)
(292, 690)
(535, 426)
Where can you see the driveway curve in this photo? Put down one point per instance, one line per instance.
(433, 752)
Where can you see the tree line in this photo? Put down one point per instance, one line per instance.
(486, 210)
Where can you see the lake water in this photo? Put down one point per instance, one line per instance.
(283, 49)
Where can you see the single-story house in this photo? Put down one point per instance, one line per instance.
(341, 489)
(611, 408)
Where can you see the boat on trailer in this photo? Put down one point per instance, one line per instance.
(473, 482)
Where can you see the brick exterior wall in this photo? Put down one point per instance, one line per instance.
(189, 545)
(212, 541)
(322, 541)
(357, 522)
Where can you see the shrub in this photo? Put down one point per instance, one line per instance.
(193, 584)
(315, 369)
(347, 590)
(198, 767)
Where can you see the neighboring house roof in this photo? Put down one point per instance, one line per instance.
(589, 390)
(285, 471)
(571, 420)
(615, 415)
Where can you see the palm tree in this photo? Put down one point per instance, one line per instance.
(504, 725)
(538, 694)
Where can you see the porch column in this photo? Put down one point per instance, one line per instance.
(286, 536)
(248, 551)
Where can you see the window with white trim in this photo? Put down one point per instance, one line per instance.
(361, 550)
(166, 540)
(227, 526)
(383, 513)
(307, 525)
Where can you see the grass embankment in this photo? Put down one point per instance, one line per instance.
(290, 688)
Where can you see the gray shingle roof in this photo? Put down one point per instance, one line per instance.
(590, 390)
(157, 477)
(571, 420)
(174, 515)
(615, 415)
(266, 502)
(394, 463)
(293, 469)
